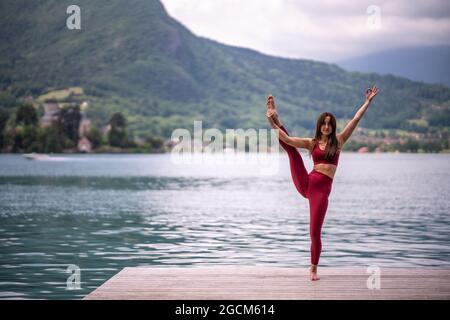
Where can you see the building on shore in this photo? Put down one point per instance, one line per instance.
(84, 145)
(85, 125)
(51, 113)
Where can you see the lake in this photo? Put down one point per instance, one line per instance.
(102, 213)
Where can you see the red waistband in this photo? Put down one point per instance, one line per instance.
(323, 174)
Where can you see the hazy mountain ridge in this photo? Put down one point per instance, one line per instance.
(428, 64)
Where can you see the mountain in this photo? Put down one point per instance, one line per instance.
(131, 56)
(427, 64)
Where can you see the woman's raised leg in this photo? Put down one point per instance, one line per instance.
(298, 169)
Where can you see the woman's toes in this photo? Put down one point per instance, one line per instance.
(270, 103)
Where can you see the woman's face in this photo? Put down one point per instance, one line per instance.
(326, 127)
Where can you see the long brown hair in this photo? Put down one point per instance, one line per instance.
(333, 144)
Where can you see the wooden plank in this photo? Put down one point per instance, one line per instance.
(270, 283)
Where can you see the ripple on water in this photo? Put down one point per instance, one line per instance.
(105, 216)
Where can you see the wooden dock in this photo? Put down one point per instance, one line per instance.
(273, 283)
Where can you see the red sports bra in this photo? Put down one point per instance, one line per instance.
(318, 156)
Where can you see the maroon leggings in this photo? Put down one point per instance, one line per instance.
(316, 187)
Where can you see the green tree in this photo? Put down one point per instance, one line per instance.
(26, 115)
(155, 143)
(439, 117)
(411, 145)
(24, 138)
(95, 137)
(29, 136)
(53, 141)
(69, 123)
(117, 136)
(445, 144)
(4, 116)
(7, 100)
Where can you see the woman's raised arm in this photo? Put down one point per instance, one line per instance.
(351, 125)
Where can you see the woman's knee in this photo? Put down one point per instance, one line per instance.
(315, 236)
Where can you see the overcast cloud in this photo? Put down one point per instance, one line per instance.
(326, 30)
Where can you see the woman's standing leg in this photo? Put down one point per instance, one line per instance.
(318, 204)
(298, 170)
(319, 190)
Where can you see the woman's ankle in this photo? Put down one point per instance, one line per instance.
(277, 121)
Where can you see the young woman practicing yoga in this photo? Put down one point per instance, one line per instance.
(325, 148)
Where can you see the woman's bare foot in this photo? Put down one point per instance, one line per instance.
(271, 109)
(313, 273)
(271, 102)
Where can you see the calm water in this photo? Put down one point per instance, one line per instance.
(106, 212)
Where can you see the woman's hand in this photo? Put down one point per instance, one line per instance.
(371, 93)
(271, 114)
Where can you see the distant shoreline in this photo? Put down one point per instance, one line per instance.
(150, 153)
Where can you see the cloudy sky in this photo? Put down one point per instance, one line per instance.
(326, 30)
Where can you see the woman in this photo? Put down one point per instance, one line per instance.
(325, 149)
